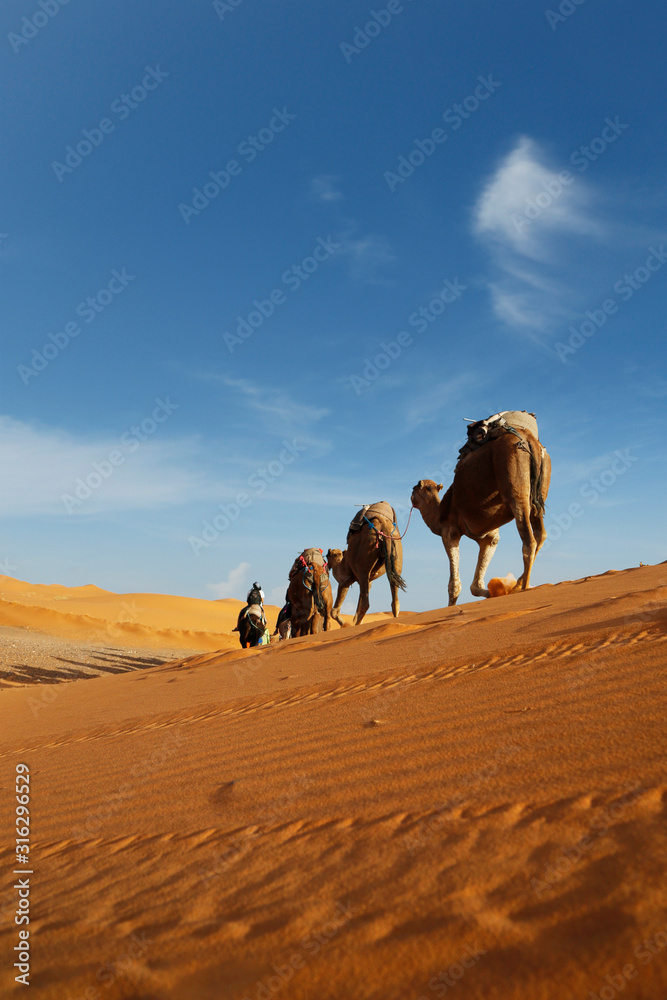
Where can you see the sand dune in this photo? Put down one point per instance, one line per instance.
(148, 621)
(467, 802)
(88, 613)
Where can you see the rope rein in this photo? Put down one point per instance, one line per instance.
(392, 535)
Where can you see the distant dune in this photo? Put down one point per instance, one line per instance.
(469, 802)
(150, 620)
(153, 621)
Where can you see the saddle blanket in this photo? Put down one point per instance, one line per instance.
(381, 508)
(519, 419)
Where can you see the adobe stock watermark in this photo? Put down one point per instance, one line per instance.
(591, 491)
(122, 107)
(625, 288)
(124, 966)
(426, 830)
(292, 278)
(257, 483)
(88, 310)
(128, 443)
(568, 857)
(444, 981)
(249, 149)
(378, 20)
(222, 7)
(553, 188)
(31, 26)
(454, 117)
(645, 951)
(566, 9)
(311, 945)
(142, 773)
(420, 321)
(271, 813)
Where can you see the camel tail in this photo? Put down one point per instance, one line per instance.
(536, 482)
(389, 552)
(317, 593)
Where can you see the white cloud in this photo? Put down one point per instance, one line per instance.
(535, 228)
(517, 308)
(324, 188)
(41, 464)
(232, 586)
(522, 180)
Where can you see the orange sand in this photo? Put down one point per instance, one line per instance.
(480, 788)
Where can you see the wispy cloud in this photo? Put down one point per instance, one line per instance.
(430, 403)
(274, 413)
(503, 211)
(41, 464)
(325, 188)
(275, 404)
(368, 257)
(233, 585)
(534, 225)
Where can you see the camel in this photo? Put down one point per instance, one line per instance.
(373, 548)
(503, 480)
(250, 626)
(309, 593)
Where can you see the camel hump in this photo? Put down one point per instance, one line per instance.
(379, 509)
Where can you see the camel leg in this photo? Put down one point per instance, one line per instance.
(523, 524)
(487, 546)
(315, 623)
(340, 597)
(539, 531)
(364, 602)
(540, 536)
(451, 539)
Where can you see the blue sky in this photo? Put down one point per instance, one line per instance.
(498, 167)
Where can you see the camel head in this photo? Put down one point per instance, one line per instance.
(425, 490)
(334, 557)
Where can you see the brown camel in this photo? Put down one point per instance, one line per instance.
(505, 479)
(373, 548)
(309, 593)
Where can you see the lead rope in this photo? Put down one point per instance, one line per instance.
(392, 536)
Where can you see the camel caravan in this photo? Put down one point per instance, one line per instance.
(502, 474)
